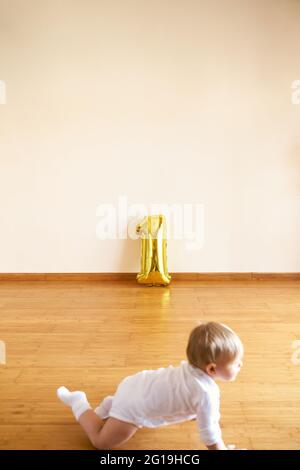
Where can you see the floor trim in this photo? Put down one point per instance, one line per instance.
(178, 276)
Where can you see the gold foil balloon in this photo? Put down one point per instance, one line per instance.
(154, 271)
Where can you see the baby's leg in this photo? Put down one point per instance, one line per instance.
(103, 435)
(112, 433)
(104, 408)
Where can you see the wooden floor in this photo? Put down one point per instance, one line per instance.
(90, 334)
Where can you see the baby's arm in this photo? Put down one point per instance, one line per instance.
(208, 416)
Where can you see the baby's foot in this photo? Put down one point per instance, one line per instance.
(104, 408)
(76, 400)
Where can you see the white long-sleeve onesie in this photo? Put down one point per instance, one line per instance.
(169, 395)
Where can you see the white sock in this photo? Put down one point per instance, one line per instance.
(76, 400)
(104, 408)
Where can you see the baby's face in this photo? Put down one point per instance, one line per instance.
(228, 372)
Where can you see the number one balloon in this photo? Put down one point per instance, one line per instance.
(153, 233)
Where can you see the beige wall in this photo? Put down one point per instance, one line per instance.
(162, 101)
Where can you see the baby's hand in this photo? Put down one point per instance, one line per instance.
(233, 447)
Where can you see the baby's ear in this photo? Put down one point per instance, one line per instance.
(211, 369)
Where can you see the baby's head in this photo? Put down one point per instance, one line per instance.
(215, 349)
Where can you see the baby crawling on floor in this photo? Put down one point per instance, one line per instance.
(169, 395)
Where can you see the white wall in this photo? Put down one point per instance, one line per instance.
(162, 101)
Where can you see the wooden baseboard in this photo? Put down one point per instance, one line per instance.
(132, 276)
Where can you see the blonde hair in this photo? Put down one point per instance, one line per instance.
(213, 342)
